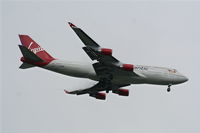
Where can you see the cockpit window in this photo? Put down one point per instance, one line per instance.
(172, 70)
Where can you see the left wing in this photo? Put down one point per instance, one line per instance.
(93, 50)
(102, 55)
(83, 36)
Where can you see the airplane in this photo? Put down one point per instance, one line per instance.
(110, 73)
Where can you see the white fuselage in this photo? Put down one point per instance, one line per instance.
(147, 74)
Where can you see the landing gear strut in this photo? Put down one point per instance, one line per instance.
(169, 89)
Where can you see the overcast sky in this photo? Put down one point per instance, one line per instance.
(163, 34)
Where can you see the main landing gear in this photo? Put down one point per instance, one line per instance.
(107, 91)
(169, 89)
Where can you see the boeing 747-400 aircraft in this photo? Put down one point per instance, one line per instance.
(110, 73)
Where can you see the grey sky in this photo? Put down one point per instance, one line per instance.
(150, 33)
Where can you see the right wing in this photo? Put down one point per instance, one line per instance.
(95, 91)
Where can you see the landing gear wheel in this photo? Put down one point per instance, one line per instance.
(169, 89)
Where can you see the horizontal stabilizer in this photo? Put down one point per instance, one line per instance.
(29, 55)
(26, 66)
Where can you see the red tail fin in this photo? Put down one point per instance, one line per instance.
(35, 48)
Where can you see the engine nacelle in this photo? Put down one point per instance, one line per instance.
(106, 51)
(99, 95)
(122, 92)
(128, 67)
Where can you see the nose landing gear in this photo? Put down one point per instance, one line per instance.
(169, 89)
(107, 91)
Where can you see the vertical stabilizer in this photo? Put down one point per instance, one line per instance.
(31, 45)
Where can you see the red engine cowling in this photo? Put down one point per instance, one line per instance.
(23, 59)
(128, 67)
(106, 51)
(122, 92)
(99, 95)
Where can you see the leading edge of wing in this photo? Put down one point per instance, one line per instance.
(92, 49)
(88, 41)
(95, 52)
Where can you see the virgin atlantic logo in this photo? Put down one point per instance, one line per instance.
(35, 50)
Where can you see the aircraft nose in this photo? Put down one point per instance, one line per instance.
(180, 79)
(184, 79)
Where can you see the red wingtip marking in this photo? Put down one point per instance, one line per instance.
(66, 91)
(71, 25)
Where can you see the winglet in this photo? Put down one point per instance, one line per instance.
(72, 25)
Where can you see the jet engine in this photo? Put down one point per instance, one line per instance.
(128, 67)
(121, 92)
(99, 95)
(106, 51)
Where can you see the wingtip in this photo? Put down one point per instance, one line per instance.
(66, 91)
(71, 25)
